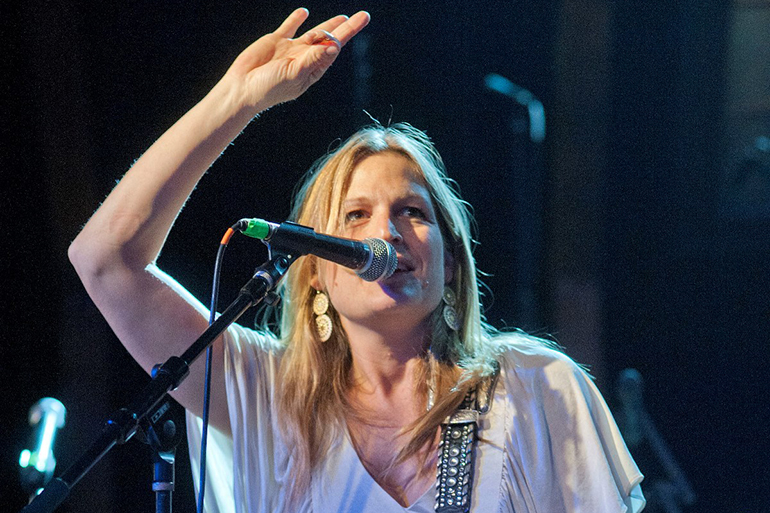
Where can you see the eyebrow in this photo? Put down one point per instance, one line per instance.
(409, 196)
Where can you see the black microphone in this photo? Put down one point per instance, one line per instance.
(371, 259)
(37, 465)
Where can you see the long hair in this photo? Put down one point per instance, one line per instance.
(314, 376)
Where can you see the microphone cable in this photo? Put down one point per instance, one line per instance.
(207, 385)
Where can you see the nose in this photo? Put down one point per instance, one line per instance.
(387, 230)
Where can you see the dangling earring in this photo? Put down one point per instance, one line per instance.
(323, 323)
(450, 314)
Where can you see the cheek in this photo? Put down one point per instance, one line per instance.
(448, 270)
(339, 283)
(440, 263)
(327, 274)
(449, 266)
(442, 259)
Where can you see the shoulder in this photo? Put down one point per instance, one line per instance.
(240, 338)
(535, 367)
(553, 413)
(546, 390)
(521, 352)
(248, 350)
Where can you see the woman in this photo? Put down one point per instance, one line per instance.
(345, 409)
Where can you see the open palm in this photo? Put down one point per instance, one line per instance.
(279, 67)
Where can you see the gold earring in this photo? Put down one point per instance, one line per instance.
(323, 323)
(451, 318)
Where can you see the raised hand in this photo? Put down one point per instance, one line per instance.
(279, 67)
(115, 252)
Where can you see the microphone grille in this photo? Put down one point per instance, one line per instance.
(383, 262)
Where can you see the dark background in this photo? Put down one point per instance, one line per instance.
(637, 234)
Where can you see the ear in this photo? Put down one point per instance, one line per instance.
(449, 267)
(315, 279)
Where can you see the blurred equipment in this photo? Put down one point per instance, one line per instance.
(747, 193)
(37, 465)
(672, 492)
(524, 98)
(526, 185)
(629, 391)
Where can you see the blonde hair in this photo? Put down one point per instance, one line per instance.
(314, 375)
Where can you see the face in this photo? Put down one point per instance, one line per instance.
(387, 199)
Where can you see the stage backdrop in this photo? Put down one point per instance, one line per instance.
(635, 233)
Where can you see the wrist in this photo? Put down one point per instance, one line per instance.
(230, 101)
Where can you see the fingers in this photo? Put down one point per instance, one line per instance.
(331, 24)
(345, 31)
(341, 28)
(290, 25)
(320, 37)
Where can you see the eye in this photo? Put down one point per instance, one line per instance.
(414, 212)
(354, 215)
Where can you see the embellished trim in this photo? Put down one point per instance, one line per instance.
(455, 468)
(454, 481)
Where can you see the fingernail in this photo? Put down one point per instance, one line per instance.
(332, 50)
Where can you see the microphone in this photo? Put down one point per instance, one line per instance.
(629, 390)
(37, 465)
(371, 259)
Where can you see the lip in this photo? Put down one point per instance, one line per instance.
(398, 279)
(404, 265)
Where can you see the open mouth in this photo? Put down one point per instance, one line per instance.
(403, 267)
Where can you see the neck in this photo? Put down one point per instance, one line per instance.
(385, 363)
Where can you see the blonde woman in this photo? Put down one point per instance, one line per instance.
(374, 396)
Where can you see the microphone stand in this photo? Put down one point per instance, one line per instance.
(124, 423)
(162, 431)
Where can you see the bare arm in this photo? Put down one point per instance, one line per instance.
(115, 253)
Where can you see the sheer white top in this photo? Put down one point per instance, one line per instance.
(550, 445)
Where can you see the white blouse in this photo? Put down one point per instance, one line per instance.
(548, 444)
